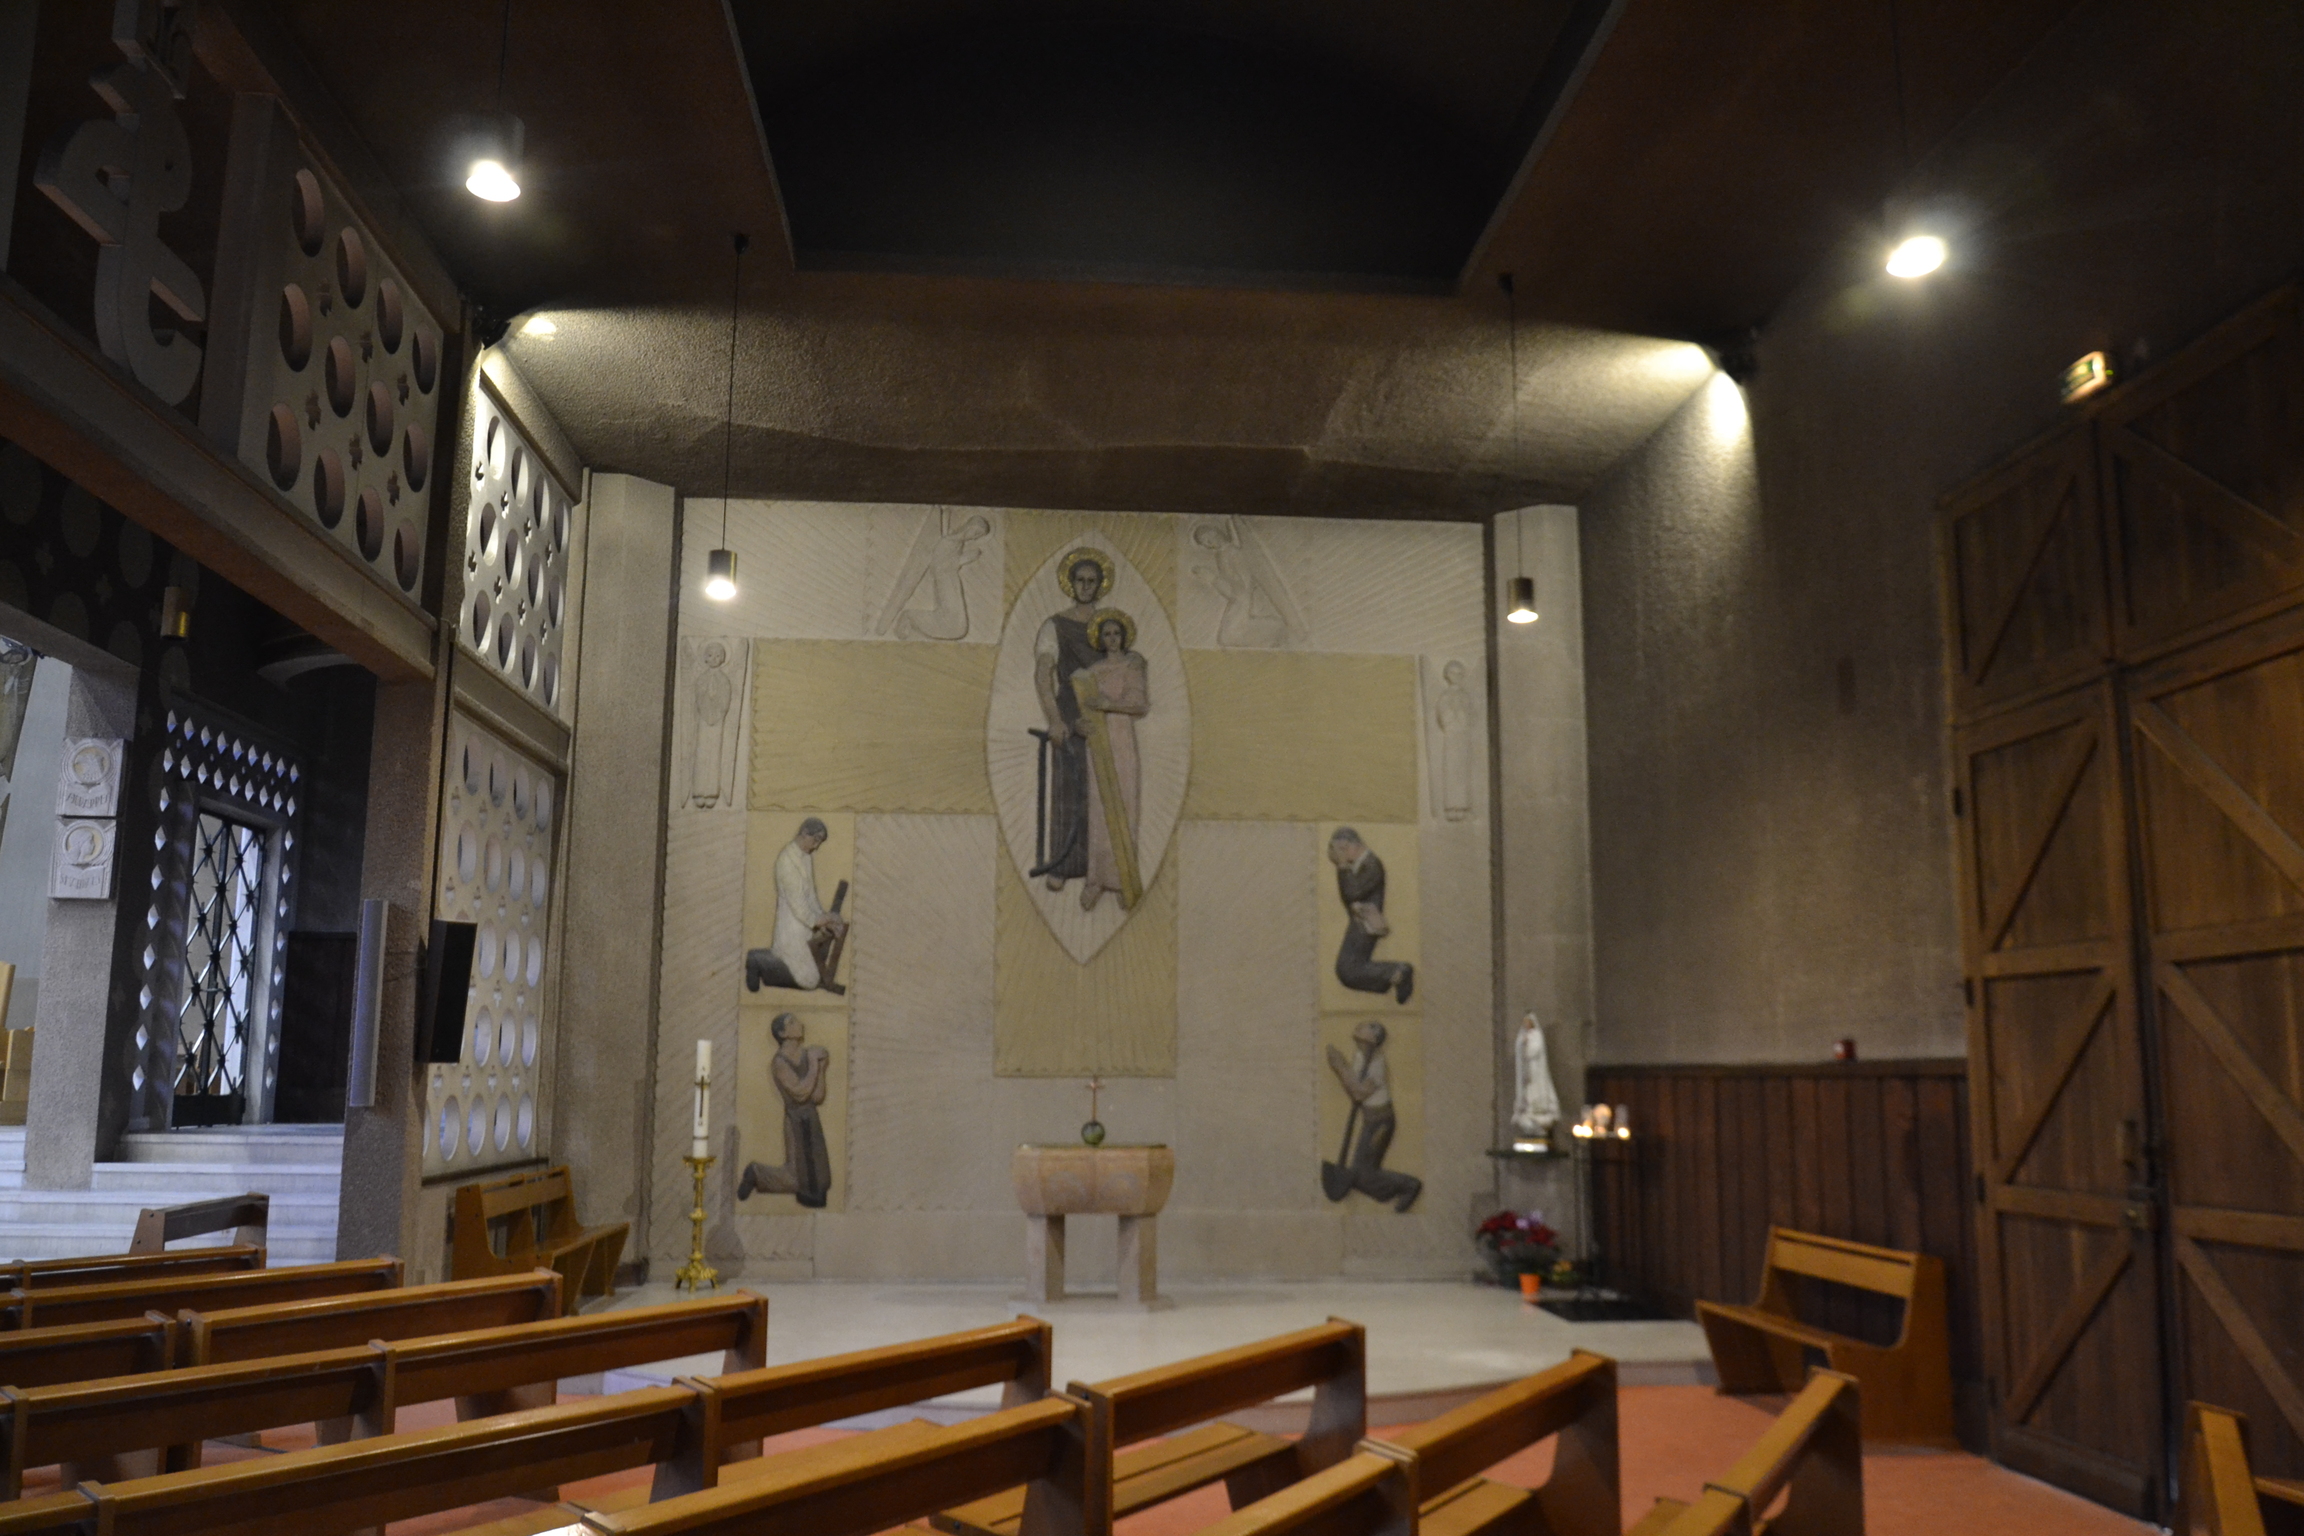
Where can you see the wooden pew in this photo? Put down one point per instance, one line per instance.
(1814, 1450)
(1575, 1400)
(1372, 1492)
(1330, 1359)
(45, 1357)
(520, 1204)
(1907, 1385)
(156, 1422)
(336, 1322)
(248, 1216)
(105, 1268)
(2222, 1494)
(133, 1298)
(1058, 1448)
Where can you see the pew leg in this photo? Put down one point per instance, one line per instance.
(1261, 1479)
(1743, 1357)
(1044, 1258)
(120, 1466)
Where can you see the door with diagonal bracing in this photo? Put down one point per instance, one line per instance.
(2057, 1101)
(2219, 762)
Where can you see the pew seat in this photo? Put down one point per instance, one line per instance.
(1812, 1455)
(2223, 1496)
(225, 1334)
(44, 1357)
(1763, 1347)
(185, 1293)
(104, 1268)
(536, 1213)
(1575, 1402)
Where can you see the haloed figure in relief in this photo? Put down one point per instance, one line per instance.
(800, 1072)
(1114, 693)
(1065, 657)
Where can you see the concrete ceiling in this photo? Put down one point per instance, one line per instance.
(1707, 158)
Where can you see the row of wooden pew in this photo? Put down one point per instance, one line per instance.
(2223, 1496)
(218, 1354)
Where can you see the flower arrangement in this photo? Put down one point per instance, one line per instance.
(1516, 1243)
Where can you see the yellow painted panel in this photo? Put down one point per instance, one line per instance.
(1301, 736)
(1114, 1016)
(1148, 539)
(859, 725)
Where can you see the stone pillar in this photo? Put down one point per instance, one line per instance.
(612, 870)
(1542, 856)
(63, 1127)
(384, 1144)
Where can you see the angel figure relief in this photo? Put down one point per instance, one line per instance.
(1259, 611)
(940, 552)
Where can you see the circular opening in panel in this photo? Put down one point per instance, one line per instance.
(499, 780)
(382, 424)
(471, 768)
(512, 947)
(351, 267)
(530, 1034)
(283, 447)
(480, 610)
(407, 558)
(535, 961)
(307, 212)
(368, 524)
(519, 794)
(415, 457)
(483, 1038)
(484, 951)
(528, 663)
(515, 555)
(495, 864)
(490, 526)
(451, 1128)
(527, 1124)
(503, 1123)
(328, 488)
(390, 316)
(476, 1126)
(543, 804)
(537, 885)
(559, 524)
(495, 454)
(504, 641)
(507, 1039)
(551, 680)
(519, 474)
(425, 353)
(295, 328)
(555, 598)
(340, 376)
(535, 580)
(536, 504)
(467, 854)
(515, 862)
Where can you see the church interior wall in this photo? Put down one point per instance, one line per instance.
(1771, 815)
(856, 692)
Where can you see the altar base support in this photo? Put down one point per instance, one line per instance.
(1127, 1182)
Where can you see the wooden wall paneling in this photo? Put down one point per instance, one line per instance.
(2202, 466)
(2021, 556)
(2218, 738)
(2066, 1251)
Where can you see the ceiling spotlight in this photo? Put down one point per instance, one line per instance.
(720, 575)
(539, 325)
(1523, 609)
(493, 172)
(1918, 256)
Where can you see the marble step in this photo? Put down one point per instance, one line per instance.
(237, 1144)
(30, 1240)
(177, 1183)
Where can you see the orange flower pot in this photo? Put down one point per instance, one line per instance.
(1530, 1284)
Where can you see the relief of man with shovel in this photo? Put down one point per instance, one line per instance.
(1369, 1083)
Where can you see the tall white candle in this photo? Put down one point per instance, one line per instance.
(702, 1129)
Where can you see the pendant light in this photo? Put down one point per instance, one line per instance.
(492, 172)
(720, 565)
(1522, 609)
(1919, 252)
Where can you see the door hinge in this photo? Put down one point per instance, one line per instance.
(1968, 989)
(1979, 1189)
(1959, 801)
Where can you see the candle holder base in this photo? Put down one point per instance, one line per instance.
(694, 1275)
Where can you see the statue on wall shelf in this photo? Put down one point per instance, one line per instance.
(940, 551)
(1535, 1100)
(800, 1072)
(1063, 649)
(1367, 1081)
(1360, 884)
(804, 951)
(1452, 721)
(1113, 694)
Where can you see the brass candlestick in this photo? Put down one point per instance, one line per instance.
(696, 1274)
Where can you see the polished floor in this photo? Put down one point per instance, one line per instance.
(1430, 1345)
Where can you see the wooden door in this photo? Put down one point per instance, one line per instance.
(2025, 609)
(2203, 476)
(2057, 1101)
(2219, 766)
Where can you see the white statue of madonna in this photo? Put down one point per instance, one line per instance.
(1535, 1103)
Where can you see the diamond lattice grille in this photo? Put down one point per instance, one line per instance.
(220, 941)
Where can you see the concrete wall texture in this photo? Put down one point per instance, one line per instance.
(1771, 831)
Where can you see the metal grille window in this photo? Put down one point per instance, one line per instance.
(222, 943)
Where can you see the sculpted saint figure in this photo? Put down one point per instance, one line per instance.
(804, 929)
(1368, 1082)
(1535, 1100)
(1114, 693)
(1452, 718)
(1062, 649)
(1360, 884)
(715, 695)
(799, 1071)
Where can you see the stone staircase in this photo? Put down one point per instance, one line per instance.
(297, 1165)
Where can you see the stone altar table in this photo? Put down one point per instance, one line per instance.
(1130, 1182)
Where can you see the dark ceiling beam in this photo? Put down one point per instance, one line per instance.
(74, 410)
(778, 239)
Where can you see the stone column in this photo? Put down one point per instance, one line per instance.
(613, 867)
(63, 1127)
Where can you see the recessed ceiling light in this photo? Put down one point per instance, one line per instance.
(1918, 256)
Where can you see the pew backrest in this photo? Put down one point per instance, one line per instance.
(750, 1404)
(2220, 1492)
(105, 1268)
(247, 1217)
(1813, 1453)
(1057, 1447)
(1331, 1359)
(1891, 1272)
(488, 1360)
(45, 1357)
(336, 1322)
(1575, 1400)
(133, 1298)
(1372, 1492)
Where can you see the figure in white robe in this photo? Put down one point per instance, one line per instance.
(1535, 1102)
(1114, 693)
(790, 960)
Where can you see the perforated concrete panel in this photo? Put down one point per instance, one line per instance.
(520, 526)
